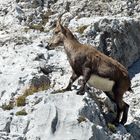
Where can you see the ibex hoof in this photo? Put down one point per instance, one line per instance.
(116, 123)
(122, 122)
(80, 92)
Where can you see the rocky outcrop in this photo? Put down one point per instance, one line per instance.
(98, 8)
(59, 120)
(116, 37)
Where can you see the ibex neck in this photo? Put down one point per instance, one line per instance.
(71, 46)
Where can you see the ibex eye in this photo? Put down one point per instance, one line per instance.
(56, 32)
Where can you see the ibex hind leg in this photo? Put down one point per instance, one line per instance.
(118, 96)
(125, 113)
(123, 87)
(119, 112)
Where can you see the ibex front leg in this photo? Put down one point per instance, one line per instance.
(71, 81)
(86, 76)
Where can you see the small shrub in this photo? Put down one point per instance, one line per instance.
(81, 29)
(111, 127)
(21, 100)
(37, 27)
(7, 106)
(22, 112)
(33, 89)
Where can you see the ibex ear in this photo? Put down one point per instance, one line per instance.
(60, 26)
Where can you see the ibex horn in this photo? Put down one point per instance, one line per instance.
(59, 18)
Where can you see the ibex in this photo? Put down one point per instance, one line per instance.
(97, 69)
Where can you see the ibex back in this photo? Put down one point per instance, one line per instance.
(99, 70)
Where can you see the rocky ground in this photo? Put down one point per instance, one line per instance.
(29, 72)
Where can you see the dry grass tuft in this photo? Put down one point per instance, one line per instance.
(81, 29)
(8, 106)
(21, 100)
(22, 112)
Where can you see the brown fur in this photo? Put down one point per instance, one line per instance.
(86, 60)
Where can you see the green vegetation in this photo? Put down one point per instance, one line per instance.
(7, 106)
(37, 27)
(21, 100)
(22, 112)
(81, 29)
(111, 127)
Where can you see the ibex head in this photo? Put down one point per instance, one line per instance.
(59, 34)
